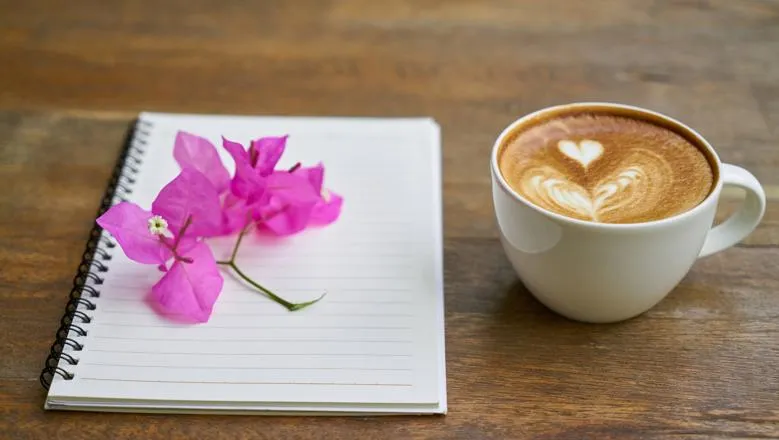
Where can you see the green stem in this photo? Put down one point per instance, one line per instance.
(231, 263)
(289, 305)
(238, 241)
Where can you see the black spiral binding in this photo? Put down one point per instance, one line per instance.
(85, 294)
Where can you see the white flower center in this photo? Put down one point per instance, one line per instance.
(159, 226)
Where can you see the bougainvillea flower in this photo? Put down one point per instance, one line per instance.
(185, 210)
(145, 236)
(190, 194)
(190, 287)
(204, 201)
(282, 201)
(264, 153)
(327, 209)
(192, 151)
(252, 166)
(328, 205)
(290, 201)
(138, 232)
(235, 213)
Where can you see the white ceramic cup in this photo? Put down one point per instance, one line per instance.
(600, 273)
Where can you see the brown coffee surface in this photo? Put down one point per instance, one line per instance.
(606, 168)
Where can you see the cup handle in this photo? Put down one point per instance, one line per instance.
(742, 222)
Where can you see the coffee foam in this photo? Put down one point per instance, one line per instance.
(606, 168)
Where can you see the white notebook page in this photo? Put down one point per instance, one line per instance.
(375, 339)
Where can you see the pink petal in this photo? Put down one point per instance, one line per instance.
(191, 151)
(269, 151)
(246, 180)
(315, 175)
(190, 194)
(129, 224)
(189, 290)
(327, 210)
(291, 199)
(235, 213)
(186, 243)
(236, 150)
(292, 188)
(286, 221)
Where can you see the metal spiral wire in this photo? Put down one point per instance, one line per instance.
(95, 262)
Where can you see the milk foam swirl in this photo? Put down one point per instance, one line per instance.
(636, 185)
(606, 168)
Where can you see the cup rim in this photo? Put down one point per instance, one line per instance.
(498, 175)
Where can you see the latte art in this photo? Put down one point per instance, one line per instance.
(606, 169)
(628, 185)
(583, 152)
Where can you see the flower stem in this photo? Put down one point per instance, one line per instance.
(238, 241)
(181, 233)
(289, 305)
(173, 248)
(231, 263)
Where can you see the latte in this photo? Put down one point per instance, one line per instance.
(605, 168)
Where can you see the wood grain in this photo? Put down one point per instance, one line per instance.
(704, 363)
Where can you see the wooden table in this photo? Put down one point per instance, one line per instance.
(702, 364)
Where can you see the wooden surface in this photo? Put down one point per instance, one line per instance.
(702, 364)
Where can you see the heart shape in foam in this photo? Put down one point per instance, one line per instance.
(584, 152)
(632, 185)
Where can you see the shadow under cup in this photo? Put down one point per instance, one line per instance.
(608, 272)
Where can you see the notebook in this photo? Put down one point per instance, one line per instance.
(373, 345)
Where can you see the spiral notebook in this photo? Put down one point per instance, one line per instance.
(373, 345)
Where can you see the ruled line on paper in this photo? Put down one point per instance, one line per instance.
(288, 290)
(200, 367)
(364, 221)
(304, 277)
(367, 214)
(356, 261)
(247, 327)
(340, 278)
(254, 301)
(384, 230)
(345, 252)
(374, 315)
(248, 382)
(308, 258)
(382, 242)
(286, 340)
(265, 261)
(341, 254)
(255, 354)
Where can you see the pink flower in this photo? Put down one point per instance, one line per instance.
(252, 166)
(190, 194)
(192, 151)
(191, 286)
(185, 210)
(283, 202)
(298, 200)
(328, 205)
(290, 199)
(204, 201)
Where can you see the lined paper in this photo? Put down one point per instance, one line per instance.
(374, 341)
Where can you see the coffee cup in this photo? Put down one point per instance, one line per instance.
(602, 272)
